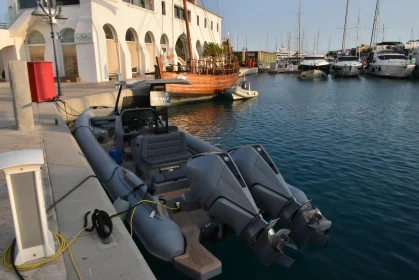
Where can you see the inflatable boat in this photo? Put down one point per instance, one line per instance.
(140, 157)
(241, 91)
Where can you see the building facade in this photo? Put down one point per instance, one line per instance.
(103, 38)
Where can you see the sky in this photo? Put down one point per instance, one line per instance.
(276, 17)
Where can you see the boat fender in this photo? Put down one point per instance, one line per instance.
(373, 69)
(379, 68)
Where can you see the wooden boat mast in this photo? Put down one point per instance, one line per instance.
(188, 35)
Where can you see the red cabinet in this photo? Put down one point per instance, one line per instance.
(41, 81)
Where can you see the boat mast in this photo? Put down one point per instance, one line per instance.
(318, 37)
(328, 48)
(188, 35)
(344, 28)
(299, 29)
(374, 25)
(357, 37)
(314, 45)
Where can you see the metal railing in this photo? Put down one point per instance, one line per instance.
(212, 66)
(4, 25)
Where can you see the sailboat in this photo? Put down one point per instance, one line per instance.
(346, 65)
(208, 77)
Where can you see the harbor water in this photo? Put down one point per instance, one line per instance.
(352, 145)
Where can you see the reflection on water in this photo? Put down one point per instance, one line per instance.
(213, 120)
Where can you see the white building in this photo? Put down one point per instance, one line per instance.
(412, 44)
(104, 37)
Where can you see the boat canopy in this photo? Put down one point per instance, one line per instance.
(389, 43)
(348, 58)
(135, 83)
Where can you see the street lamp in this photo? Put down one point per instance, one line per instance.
(58, 15)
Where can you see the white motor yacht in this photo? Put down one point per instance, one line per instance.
(313, 66)
(389, 60)
(346, 66)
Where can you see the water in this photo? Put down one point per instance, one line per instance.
(351, 145)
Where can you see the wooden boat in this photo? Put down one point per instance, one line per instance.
(208, 77)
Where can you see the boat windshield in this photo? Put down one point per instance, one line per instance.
(393, 56)
(348, 58)
(312, 58)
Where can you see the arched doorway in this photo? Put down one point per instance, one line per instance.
(149, 42)
(164, 44)
(181, 49)
(131, 40)
(69, 53)
(111, 49)
(36, 44)
(199, 48)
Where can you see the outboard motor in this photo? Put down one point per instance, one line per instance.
(221, 190)
(245, 85)
(278, 199)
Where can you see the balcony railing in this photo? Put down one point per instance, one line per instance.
(212, 66)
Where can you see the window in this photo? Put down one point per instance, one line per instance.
(180, 14)
(211, 24)
(205, 23)
(392, 56)
(146, 4)
(197, 20)
(163, 7)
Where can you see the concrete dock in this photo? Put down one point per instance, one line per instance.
(64, 168)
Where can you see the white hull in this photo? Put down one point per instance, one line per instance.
(313, 74)
(346, 71)
(237, 92)
(391, 71)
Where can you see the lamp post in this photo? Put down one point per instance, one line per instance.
(40, 11)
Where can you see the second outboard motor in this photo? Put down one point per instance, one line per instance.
(221, 190)
(278, 199)
(245, 85)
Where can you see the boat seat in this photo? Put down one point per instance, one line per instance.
(161, 152)
(168, 181)
(170, 176)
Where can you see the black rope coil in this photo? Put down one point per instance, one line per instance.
(101, 222)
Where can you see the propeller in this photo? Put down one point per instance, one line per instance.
(281, 239)
(316, 220)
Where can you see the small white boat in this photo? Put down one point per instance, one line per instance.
(242, 91)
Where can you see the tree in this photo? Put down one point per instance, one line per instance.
(213, 49)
